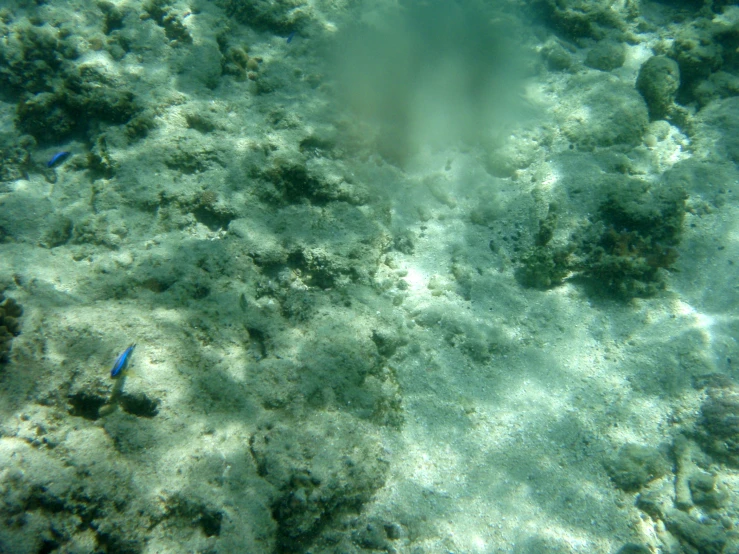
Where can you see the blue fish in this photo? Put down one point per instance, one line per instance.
(56, 158)
(121, 361)
(290, 37)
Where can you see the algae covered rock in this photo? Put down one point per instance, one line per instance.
(78, 97)
(718, 129)
(654, 212)
(294, 180)
(329, 465)
(258, 242)
(705, 492)
(557, 57)
(697, 51)
(658, 82)
(588, 18)
(718, 426)
(617, 114)
(635, 465)
(57, 232)
(720, 84)
(31, 56)
(606, 55)
(336, 365)
(15, 157)
(58, 94)
(706, 537)
(279, 17)
(20, 214)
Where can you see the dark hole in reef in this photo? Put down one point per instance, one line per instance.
(211, 219)
(158, 284)
(210, 521)
(292, 536)
(200, 291)
(259, 341)
(188, 163)
(139, 404)
(48, 546)
(682, 4)
(41, 499)
(296, 184)
(85, 405)
(200, 123)
(385, 344)
(113, 18)
(315, 145)
(117, 541)
(316, 272)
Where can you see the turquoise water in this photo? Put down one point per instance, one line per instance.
(406, 277)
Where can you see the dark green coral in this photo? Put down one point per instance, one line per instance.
(10, 327)
(624, 251)
(545, 266)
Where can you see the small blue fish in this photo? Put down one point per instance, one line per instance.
(56, 158)
(290, 37)
(120, 362)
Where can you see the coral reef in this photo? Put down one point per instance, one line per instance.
(314, 320)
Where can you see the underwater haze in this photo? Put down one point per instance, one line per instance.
(348, 276)
(433, 75)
